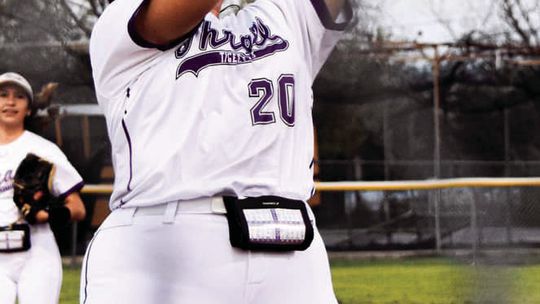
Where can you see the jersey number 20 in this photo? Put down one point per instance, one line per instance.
(263, 89)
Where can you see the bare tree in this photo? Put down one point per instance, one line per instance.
(513, 22)
(47, 40)
(48, 22)
(522, 19)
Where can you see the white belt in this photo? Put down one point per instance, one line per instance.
(194, 206)
(165, 212)
(168, 211)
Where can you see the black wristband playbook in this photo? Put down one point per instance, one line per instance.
(268, 223)
(14, 238)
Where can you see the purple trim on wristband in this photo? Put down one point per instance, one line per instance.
(326, 18)
(73, 189)
(140, 41)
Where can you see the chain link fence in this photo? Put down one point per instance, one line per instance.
(455, 218)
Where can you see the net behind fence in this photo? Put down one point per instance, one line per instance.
(446, 214)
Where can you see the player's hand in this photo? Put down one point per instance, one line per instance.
(42, 216)
(31, 213)
(38, 195)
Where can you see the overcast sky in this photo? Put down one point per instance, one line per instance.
(433, 18)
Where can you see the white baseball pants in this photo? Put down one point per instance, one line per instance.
(180, 253)
(33, 276)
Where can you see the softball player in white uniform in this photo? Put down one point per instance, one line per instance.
(214, 107)
(33, 276)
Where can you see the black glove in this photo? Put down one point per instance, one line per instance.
(31, 186)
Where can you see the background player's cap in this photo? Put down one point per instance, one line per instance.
(17, 79)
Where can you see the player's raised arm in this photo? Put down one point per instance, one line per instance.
(335, 7)
(162, 21)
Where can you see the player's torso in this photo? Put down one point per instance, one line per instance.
(225, 112)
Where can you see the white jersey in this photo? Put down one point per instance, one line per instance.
(65, 181)
(226, 110)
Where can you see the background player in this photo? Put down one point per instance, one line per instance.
(198, 108)
(32, 276)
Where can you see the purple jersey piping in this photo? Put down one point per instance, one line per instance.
(130, 155)
(73, 189)
(140, 41)
(326, 18)
(86, 267)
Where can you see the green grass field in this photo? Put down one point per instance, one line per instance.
(434, 280)
(411, 281)
(70, 286)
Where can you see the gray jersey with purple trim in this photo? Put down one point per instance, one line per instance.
(225, 110)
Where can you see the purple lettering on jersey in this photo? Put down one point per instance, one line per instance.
(245, 49)
(183, 48)
(270, 50)
(199, 62)
(6, 181)
(210, 35)
(286, 98)
(8, 177)
(263, 89)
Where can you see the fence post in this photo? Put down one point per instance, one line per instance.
(436, 70)
(508, 218)
(387, 217)
(474, 226)
(437, 199)
(350, 206)
(73, 261)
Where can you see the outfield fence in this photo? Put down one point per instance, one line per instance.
(461, 213)
(458, 213)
